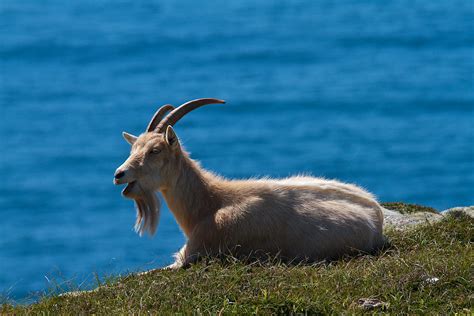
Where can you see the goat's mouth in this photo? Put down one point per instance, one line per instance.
(129, 188)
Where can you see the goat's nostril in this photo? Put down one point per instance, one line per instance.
(119, 174)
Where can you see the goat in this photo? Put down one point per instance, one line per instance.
(299, 218)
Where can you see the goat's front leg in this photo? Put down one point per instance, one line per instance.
(177, 264)
(178, 259)
(190, 253)
(199, 244)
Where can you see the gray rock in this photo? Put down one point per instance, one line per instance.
(398, 221)
(469, 210)
(372, 303)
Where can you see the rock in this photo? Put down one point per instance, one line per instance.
(469, 210)
(372, 303)
(400, 221)
(430, 280)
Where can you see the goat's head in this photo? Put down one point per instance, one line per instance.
(153, 155)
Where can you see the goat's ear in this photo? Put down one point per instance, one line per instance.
(171, 137)
(129, 138)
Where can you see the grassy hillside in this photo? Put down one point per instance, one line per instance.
(406, 208)
(427, 269)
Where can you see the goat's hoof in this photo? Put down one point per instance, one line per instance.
(174, 266)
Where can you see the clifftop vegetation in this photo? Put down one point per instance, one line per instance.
(426, 269)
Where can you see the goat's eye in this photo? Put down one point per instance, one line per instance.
(155, 151)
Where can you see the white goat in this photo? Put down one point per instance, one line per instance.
(297, 218)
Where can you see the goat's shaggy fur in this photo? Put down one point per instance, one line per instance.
(298, 218)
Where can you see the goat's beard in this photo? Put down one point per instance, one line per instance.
(148, 212)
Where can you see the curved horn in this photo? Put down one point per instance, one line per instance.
(159, 116)
(175, 115)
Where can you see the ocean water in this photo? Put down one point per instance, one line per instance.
(379, 94)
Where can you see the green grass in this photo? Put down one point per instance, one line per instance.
(406, 208)
(399, 277)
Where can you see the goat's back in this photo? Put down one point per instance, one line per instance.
(300, 218)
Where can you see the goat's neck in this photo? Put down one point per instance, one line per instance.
(191, 196)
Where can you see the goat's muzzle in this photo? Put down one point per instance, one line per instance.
(120, 177)
(119, 174)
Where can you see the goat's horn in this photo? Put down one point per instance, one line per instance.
(159, 116)
(175, 115)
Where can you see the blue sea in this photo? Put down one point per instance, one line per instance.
(378, 93)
